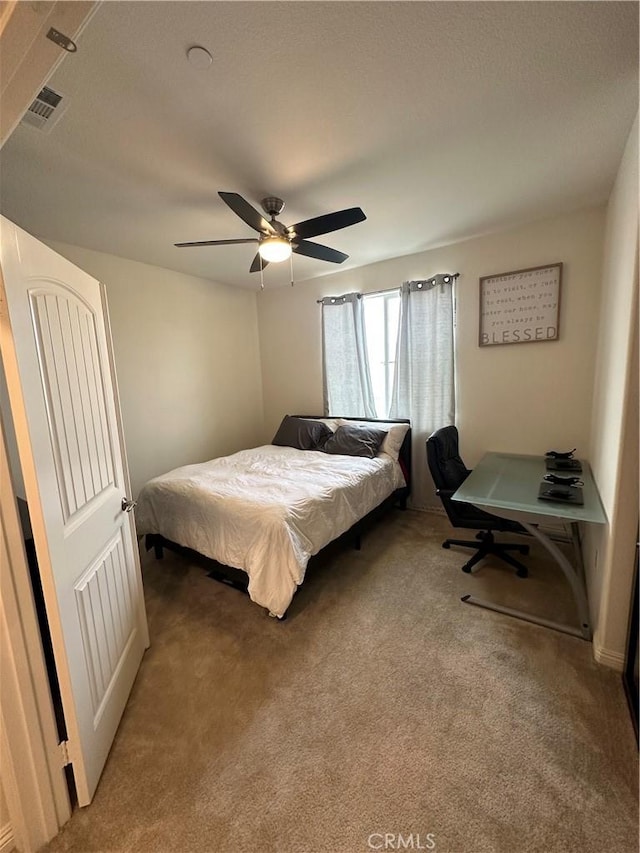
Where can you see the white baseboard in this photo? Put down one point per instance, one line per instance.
(7, 842)
(614, 660)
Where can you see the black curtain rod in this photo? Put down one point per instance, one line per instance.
(453, 275)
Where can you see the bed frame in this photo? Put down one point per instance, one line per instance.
(239, 579)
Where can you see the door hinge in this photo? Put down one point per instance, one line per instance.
(64, 752)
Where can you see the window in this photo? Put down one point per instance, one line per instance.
(391, 355)
(381, 315)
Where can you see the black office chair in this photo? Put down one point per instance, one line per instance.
(449, 472)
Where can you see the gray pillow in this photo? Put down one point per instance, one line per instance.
(301, 433)
(350, 440)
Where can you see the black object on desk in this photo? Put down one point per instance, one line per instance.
(560, 454)
(573, 465)
(563, 480)
(561, 494)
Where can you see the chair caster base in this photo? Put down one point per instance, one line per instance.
(446, 545)
(466, 570)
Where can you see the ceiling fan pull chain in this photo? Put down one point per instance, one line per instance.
(291, 267)
(261, 274)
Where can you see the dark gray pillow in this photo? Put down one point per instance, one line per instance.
(301, 433)
(350, 440)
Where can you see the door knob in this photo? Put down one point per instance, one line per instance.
(127, 506)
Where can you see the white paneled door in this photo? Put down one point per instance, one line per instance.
(56, 351)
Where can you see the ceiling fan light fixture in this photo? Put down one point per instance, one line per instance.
(274, 249)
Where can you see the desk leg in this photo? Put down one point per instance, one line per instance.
(575, 582)
(577, 550)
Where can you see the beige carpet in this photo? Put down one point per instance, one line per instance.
(382, 705)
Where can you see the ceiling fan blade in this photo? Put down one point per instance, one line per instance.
(328, 222)
(255, 266)
(322, 253)
(247, 213)
(218, 242)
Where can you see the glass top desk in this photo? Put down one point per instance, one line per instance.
(507, 484)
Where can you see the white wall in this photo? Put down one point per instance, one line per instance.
(187, 360)
(518, 398)
(614, 448)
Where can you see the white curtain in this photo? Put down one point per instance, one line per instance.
(424, 385)
(347, 381)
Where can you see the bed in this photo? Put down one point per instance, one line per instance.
(267, 510)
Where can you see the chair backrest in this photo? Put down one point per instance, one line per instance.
(448, 472)
(446, 467)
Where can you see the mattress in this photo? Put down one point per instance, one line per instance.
(266, 510)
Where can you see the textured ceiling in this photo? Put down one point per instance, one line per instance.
(441, 120)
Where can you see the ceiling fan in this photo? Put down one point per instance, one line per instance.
(277, 241)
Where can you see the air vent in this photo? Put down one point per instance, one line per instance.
(46, 110)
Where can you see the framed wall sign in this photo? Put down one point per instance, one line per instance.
(521, 306)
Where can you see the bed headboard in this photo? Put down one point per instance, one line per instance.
(404, 455)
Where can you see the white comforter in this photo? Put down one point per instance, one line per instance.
(266, 510)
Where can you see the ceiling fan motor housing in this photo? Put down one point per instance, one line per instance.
(272, 205)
